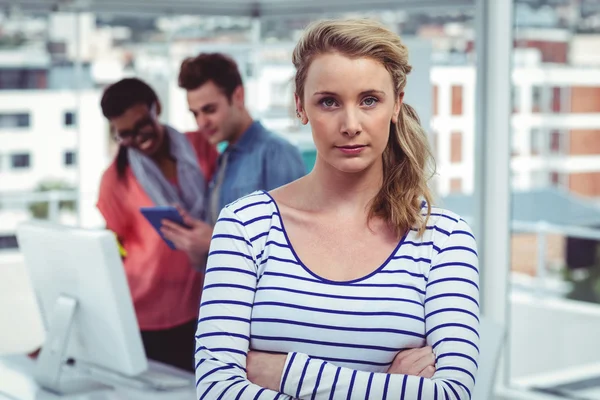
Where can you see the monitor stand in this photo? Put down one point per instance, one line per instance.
(51, 359)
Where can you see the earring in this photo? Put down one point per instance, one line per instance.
(298, 114)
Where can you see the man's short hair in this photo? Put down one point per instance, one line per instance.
(124, 94)
(222, 70)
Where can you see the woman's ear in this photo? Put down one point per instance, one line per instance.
(300, 114)
(397, 108)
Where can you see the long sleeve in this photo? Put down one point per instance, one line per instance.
(452, 325)
(222, 338)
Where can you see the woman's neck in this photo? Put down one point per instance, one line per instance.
(346, 193)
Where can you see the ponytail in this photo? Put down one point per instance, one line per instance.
(405, 163)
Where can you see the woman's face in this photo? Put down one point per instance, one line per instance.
(349, 104)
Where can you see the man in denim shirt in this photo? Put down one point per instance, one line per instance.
(255, 158)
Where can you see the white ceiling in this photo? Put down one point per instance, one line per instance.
(265, 8)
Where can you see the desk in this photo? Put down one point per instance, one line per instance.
(16, 383)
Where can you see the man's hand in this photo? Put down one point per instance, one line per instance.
(195, 241)
(265, 369)
(415, 362)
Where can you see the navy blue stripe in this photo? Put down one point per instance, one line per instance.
(274, 243)
(341, 312)
(280, 260)
(259, 393)
(211, 334)
(231, 302)
(224, 219)
(454, 390)
(231, 253)
(214, 359)
(402, 271)
(334, 283)
(337, 375)
(262, 217)
(457, 369)
(460, 310)
(207, 391)
(225, 350)
(230, 269)
(420, 389)
(323, 343)
(459, 355)
(318, 380)
(287, 371)
(421, 259)
(229, 387)
(224, 318)
(463, 296)
(403, 387)
(452, 325)
(337, 328)
(351, 385)
(444, 216)
(241, 392)
(470, 282)
(273, 227)
(434, 228)
(455, 340)
(212, 371)
(446, 394)
(335, 296)
(385, 387)
(454, 264)
(463, 248)
(350, 361)
(252, 205)
(435, 396)
(302, 378)
(369, 385)
(228, 285)
(233, 237)
(463, 233)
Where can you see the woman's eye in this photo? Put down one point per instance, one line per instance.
(370, 101)
(328, 102)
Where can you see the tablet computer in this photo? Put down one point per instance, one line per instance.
(155, 215)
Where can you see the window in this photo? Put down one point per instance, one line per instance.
(536, 99)
(457, 100)
(20, 161)
(555, 141)
(537, 141)
(14, 120)
(456, 147)
(70, 118)
(516, 99)
(70, 158)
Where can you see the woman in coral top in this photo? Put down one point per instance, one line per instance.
(156, 165)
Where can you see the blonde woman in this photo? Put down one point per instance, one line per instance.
(316, 289)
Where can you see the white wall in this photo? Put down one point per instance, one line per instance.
(47, 139)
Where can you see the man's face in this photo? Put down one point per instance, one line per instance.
(138, 127)
(217, 116)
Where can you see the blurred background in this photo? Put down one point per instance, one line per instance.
(55, 143)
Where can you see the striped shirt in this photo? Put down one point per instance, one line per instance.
(340, 337)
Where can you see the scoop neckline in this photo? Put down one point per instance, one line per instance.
(319, 277)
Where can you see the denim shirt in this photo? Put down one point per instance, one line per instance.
(260, 160)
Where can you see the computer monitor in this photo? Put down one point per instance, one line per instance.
(79, 279)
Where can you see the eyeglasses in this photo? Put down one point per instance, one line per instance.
(127, 136)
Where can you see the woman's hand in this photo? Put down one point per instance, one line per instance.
(416, 362)
(195, 240)
(265, 369)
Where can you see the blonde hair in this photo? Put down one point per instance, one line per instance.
(407, 155)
